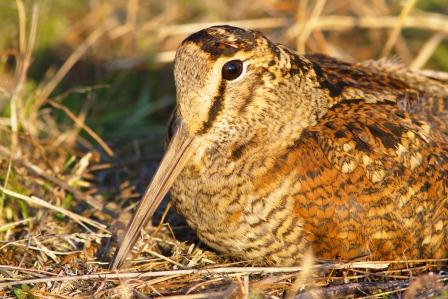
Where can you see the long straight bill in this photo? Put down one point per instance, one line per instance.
(178, 153)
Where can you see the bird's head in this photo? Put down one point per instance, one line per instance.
(219, 71)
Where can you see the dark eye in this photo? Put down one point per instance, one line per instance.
(232, 69)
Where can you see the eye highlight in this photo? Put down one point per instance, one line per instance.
(232, 69)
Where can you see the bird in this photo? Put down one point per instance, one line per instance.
(272, 153)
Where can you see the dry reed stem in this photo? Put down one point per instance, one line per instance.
(23, 63)
(20, 63)
(28, 271)
(395, 33)
(82, 124)
(308, 27)
(40, 202)
(211, 271)
(46, 90)
(197, 296)
(401, 45)
(184, 29)
(22, 25)
(427, 50)
(11, 225)
(301, 18)
(433, 22)
(203, 283)
(160, 256)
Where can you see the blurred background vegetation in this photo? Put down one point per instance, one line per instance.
(122, 80)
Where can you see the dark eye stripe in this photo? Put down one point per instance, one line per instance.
(214, 109)
(217, 100)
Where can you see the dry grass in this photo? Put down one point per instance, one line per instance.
(57, 210)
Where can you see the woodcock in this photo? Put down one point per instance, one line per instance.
(273, 153)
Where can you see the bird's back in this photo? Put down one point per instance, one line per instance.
(424, 94)
(380, 187)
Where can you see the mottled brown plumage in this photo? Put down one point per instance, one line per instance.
(303, 151)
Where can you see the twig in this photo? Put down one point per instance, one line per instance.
(82, 124)
(28, 271)
(70, 62)
(355, 287)
(22, 25)
(433, 22)
(300, 20)
(24, 62)
(381, 8)
(202, 284)
(397, 28)
(427, 50)
(37, 201)
(165, 258)
(308, 27)
(185, 29)
(50, 253)
(198, 296)
(212, 271)
(19, 74)
(10, 225)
